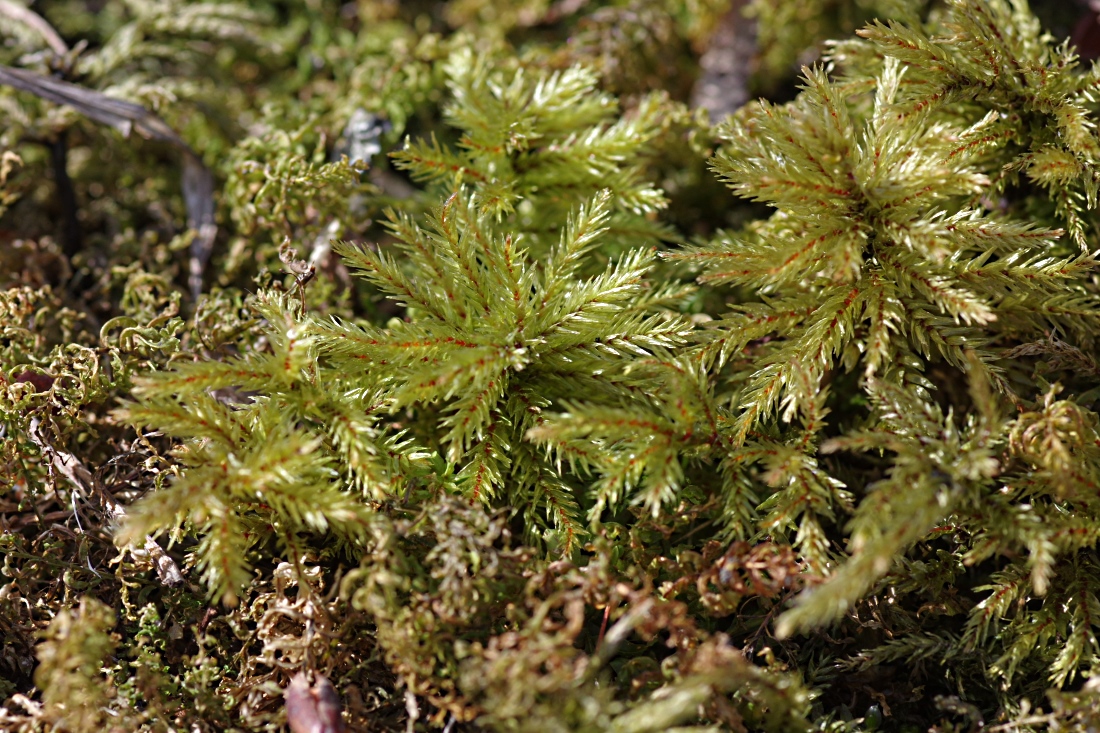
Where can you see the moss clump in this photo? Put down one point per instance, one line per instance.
(439, 361)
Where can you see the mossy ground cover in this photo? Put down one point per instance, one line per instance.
(549, 366)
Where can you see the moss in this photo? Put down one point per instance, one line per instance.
(446, 356)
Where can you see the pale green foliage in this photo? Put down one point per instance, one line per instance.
(886, 259)
(494, 338)
(494, 335)
(936, 466)
(256, 467)
(868, 256)
(532, 136)
(995, 56)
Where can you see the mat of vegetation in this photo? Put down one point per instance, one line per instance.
(502, 366)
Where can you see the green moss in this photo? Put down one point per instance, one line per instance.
(517, 396)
